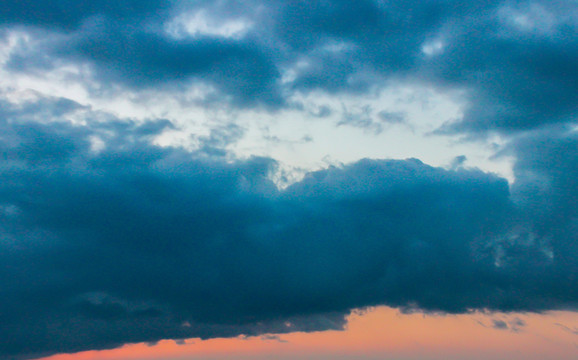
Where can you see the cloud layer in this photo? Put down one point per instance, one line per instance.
(131, 242)
(108, 239)
(514, 61)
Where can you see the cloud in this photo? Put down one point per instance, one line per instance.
(270, 337)
(508, 323)
(499, 324)
(69, 15)
(515, 69)
(546, 188)
(219, 138)
(513, 325)
(138, 243)
(567, 329)
(108, 239)
(520, 81)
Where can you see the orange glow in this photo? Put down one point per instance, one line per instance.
(383, 333)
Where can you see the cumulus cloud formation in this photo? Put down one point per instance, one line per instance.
(107, 238)
(137, 243)
(514, 60)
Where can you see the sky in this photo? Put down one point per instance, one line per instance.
(288, 179)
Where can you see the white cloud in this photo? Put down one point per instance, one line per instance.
(200, 23)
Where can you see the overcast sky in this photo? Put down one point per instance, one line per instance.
(175, 169)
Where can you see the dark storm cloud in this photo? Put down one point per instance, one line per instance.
(547, 189)
(521, 78)
(130, 242)
(106, 239)
(141, 59)
(514, 60)
(144, 60)
(68, 15)
(517, 75)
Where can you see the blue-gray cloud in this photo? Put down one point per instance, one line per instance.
(132, 242)
(69, 15)
(129, 242)
(514, 325)
(514, 60)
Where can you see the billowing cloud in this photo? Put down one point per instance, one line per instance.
(108, 238)
(547, 190)
(131, 242)
(512, 60)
